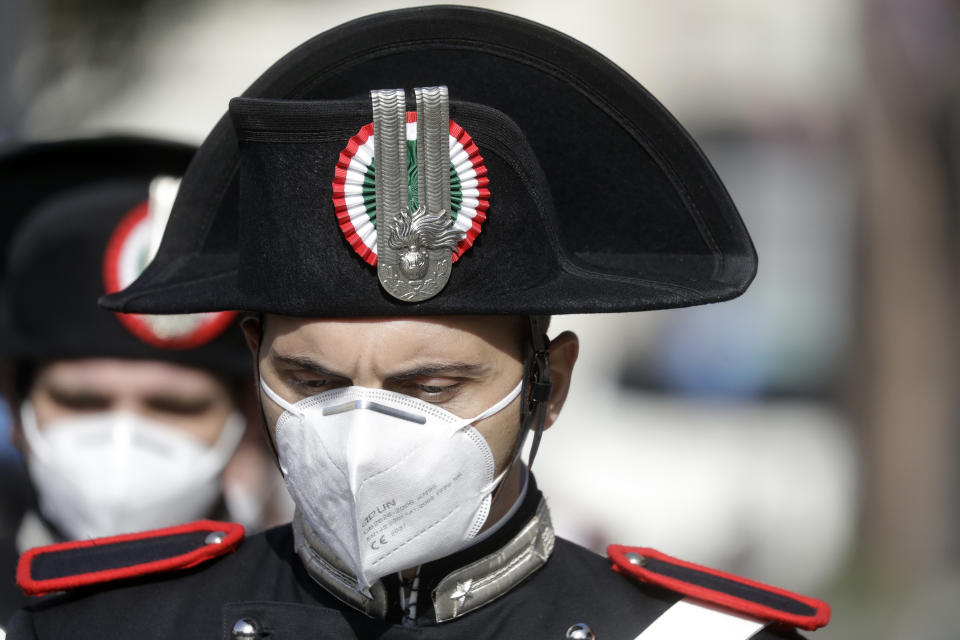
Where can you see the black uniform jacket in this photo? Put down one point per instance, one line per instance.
(16, 499)
(264, 581)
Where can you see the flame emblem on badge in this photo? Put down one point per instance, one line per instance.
(413, 234)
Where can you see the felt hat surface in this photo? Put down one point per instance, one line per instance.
(573, 189)
(76, 221)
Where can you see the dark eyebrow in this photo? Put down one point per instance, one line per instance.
(451, 369)
(310, 365)
(448, 369)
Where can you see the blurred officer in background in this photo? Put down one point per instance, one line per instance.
(400, 204)
(126, 422)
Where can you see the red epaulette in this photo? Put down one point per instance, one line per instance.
(80, 563)
(726, 590)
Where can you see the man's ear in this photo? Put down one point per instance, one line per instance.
(252, 331)
(563, 356)
(8, 387)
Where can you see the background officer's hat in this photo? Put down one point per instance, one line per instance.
(76, 221)
(570, 188)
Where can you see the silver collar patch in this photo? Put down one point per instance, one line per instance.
(492, 576)
(327, 571)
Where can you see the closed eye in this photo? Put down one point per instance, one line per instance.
(182, 406)
(80, 400)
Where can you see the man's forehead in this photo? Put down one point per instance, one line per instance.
(442, 334)
(125, 376)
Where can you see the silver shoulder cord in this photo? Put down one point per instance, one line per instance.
(691, 619)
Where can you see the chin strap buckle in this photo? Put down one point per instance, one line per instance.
(540, 391)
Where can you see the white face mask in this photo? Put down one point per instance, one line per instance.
(385, 481)
(109, 473)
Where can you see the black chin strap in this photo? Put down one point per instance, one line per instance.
(535, 391)
(537, 383)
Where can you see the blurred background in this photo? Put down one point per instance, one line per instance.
(804, 434)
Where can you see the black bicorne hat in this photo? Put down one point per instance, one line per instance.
(571, 188)
(75, 224)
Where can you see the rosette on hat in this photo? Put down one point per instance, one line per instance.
(586, 194)
(354, 188)
(81, 218)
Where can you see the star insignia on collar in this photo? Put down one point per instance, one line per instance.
(462, 592)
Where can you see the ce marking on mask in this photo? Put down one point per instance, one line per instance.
(387, 521)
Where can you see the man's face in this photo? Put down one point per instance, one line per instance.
(184, 398)
(464, 364)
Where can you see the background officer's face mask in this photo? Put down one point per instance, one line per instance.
(383, 480)
(117, 472)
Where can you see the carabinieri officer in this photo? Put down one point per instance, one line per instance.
(399, 205)
(126, 422)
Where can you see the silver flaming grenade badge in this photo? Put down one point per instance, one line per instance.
(417, 233)
(413, 235)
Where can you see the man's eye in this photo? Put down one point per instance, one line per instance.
(311, 383)
(180, 406)
(435, 393)
(429, 388)
(80, 401)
